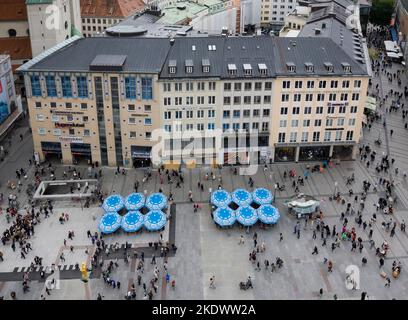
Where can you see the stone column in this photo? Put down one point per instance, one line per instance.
(297, 154)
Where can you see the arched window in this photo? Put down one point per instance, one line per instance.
(66, 25)
(12, 32)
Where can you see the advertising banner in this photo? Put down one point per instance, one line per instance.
(4, 104)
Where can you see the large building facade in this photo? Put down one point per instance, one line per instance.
(117, 101)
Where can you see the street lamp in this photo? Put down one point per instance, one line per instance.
(274, 192)
(335, 188)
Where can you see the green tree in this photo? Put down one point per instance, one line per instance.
(381, 12)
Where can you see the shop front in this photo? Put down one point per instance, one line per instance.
(51, 150)
(141, 156)
(81, 153)
(312, 153)
(285, 154)
(343, 152)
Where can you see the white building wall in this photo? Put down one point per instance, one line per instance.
(214, 23)
(76, 14)
(49, 24)
(21, 28)
(6, 77)
(274, 11)
(250, 13)
(94, 25)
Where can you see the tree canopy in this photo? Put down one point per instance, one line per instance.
(381, 12)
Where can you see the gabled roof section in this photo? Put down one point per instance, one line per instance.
(317, 51)
(194, 50)
(248, 50)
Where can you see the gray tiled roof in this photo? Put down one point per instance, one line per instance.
(348, 40)
(182, 50)
(154, 55)
(317, 51)
(143, 54)
(249, 50)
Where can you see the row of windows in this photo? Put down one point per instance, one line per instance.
(258, 86)
(189, 114)
(82, 87)
(282, 6)
(189, 86)
(147, 121)
(284, 1)
(317, 122)
(189, 127)
(86, 133)
(84, 106)
(94, 28)
(71, 132)
(246, 113)
(246, 126)
(310, 84)
(247, 100)
(319, 110)
(99, 21)
(178, 101)
(297, 97)
(130, 88)
(293, 137)
(56, 118)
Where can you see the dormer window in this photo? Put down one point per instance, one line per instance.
(206, 65)
(346, 67)
(232, 69)
(189, 66)
(329, 67)
(247, 69)
(291, 67)
(309, 67)
(172, 66)
(263, 69)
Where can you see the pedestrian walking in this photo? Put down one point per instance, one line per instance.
(381, 261)
(330, 266)
(241, 239)
(212, 282)
(315, 251)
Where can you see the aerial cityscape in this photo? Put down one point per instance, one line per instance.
(203, 150)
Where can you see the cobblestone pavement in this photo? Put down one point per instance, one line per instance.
(204, 250)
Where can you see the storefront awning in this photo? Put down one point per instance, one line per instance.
(394, 55)
(371, 103)
(391, 46)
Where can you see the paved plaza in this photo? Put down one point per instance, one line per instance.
(203, 249)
